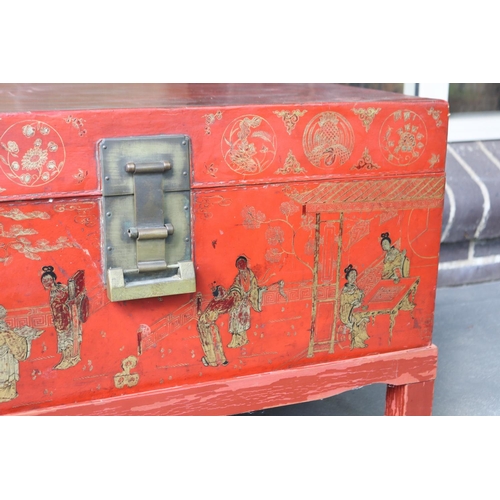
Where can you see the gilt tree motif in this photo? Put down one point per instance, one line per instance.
(281, 233)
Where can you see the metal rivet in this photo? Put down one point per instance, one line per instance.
(109, 249)
(104, 146)
(109, 214)
(186, 208)
(184, 173)
(183, 143)
(186, 239)
(106, 178)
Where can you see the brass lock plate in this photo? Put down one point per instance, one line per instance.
(146, 216)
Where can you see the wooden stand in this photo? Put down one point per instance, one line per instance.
(408, 374)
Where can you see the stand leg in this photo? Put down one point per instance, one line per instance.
(409, 400)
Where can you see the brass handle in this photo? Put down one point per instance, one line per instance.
(151, 233)
(148, 168)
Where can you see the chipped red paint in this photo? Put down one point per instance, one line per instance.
(402, 370)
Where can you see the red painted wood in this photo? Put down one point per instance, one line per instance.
(413, 399)
(283, 387)
(300, 180)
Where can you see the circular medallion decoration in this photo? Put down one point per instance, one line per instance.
(249, 145)
(32, 153)
(328, 140)
(403, 137)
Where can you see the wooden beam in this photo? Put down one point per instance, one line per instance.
(408, 368)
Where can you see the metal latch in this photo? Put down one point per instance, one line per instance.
(147, 216)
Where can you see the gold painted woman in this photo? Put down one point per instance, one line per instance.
(248, 295)
(396, 264)
(70, 307)
(351, 298)
(15, 346)
(208, 329)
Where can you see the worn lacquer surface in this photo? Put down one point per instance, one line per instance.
(409, 375)
(315, 230)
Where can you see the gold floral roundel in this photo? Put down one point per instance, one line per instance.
(328, 140)
(32, 153)
(249, 145)
(403, 137)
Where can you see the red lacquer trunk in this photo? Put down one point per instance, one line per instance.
(313, 219)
